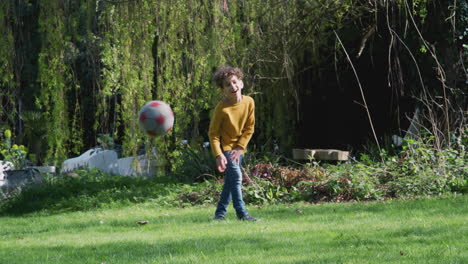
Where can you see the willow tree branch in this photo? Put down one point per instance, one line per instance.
(440, 69)
(362, 94)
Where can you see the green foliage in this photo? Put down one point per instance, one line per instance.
(105, 141)
(84, 190)
(7, 80)
(196, 164)
(166, 50)
(54, 78)
(128, 68)
(34, 135)
(186, 52)
(203, 193)
(90, 189)
(418, 170)
(90, 65)
(13, 153)
(419, 9)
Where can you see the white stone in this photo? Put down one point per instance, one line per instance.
(4, 166)
(78, 162)
(320, 154)
(43, 169)
(17, 179)
(105, 160)
(135, 166)
(397, 141)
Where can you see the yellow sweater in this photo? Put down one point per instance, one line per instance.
(232, 125)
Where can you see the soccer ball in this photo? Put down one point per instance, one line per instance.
(156, 118)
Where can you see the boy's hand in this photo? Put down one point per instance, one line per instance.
(221, 162)
(235, 154)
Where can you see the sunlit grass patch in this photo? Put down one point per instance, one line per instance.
(432, 230)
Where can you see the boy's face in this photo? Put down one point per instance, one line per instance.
(232, 87)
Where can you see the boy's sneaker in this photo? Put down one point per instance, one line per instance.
(219, 217)
(247, 217)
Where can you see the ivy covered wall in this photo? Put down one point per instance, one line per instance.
(85, 67)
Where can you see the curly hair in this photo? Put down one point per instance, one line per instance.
(226, 72)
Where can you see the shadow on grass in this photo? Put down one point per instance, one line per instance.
(248, 249)
(141, 252)
(90, 191)
(393, 208)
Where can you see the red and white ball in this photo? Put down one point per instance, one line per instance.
(156, 118)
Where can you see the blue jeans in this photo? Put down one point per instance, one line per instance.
(232, 188)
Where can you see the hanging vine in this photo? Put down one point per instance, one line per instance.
(55, 79)
(128, 68)
(8, 87)
(100, 61)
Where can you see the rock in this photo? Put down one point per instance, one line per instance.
(4, 166)
(43, 169)
(135, 166)
(105, 160)
(320, 154)
(16, 179)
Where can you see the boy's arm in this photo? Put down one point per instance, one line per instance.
(214, 134)
(215, 141)
(249, 127)
(221, 163)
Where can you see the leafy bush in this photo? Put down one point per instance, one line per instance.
(196, 164)
(14, 153)
(417, 169)
(84, 190)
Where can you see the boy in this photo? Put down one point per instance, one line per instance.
(230, 130)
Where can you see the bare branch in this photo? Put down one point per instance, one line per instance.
(362, 94)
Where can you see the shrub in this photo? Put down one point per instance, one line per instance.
(415, 170)
(14, 153)
(196, 164)
(83, 190)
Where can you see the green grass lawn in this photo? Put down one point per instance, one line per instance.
(433, 230)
